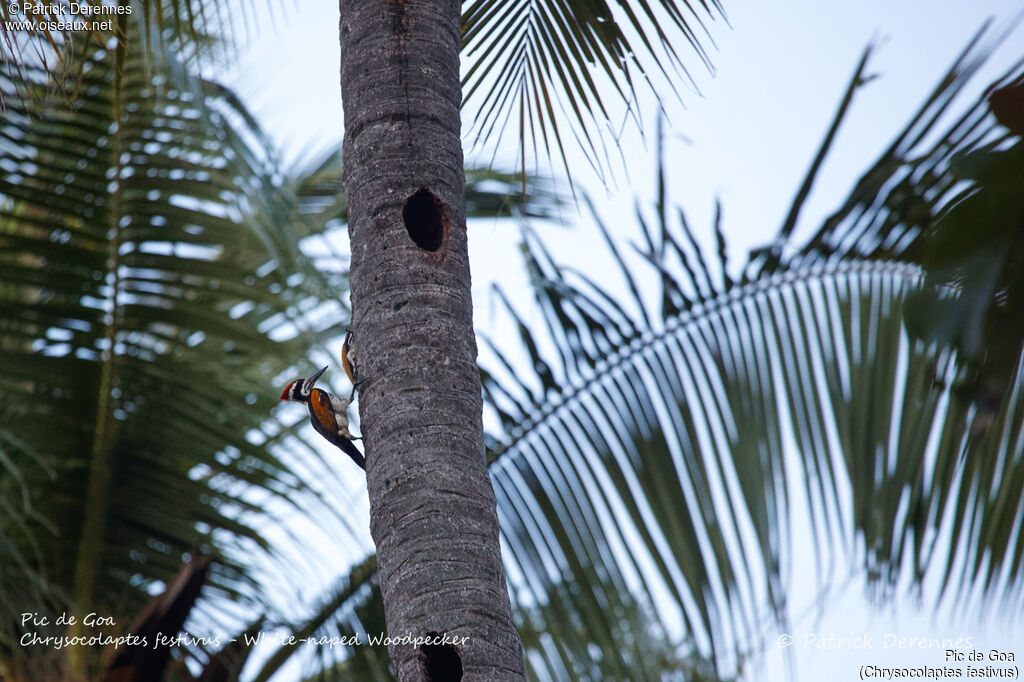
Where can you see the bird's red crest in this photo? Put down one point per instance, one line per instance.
(288, 388)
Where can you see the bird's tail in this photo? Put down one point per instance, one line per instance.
(352, 451)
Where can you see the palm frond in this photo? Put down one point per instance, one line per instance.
(664, 464)
(895, 203)
(152, 294)
(660, 451)
(197, 32)
(352, 611)
(544, 63)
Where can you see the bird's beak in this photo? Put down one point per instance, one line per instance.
(312, 379)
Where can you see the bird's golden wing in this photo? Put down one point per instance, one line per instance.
(348, 357)
(326, 422)
(323, 412)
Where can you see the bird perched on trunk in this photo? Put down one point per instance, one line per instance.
(348, 361)
(327, 413)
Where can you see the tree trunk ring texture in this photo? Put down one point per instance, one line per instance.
(432, 506)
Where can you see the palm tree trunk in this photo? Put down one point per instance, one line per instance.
(432, 506)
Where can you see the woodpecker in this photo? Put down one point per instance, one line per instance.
(327, 413)
(348, 361)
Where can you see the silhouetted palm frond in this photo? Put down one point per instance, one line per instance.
(542, 65)
(663, 451)
(153, 301)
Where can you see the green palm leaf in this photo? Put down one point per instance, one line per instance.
(152, 294)
(546, 62)
(674, 440)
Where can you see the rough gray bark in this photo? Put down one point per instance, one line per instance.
(432, 506)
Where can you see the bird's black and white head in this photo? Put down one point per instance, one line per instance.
(299, 390)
